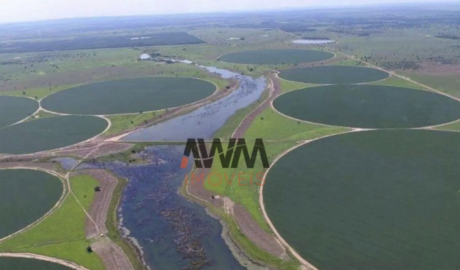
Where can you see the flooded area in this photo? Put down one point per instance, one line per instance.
(313, 41)
(205, 121)
(66, 162)
(171, 232)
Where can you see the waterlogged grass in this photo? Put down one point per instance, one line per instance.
(25, 196)
(249, 248)
(370, 200)
(129, 95)
(268, 57)
(62, 235)
(333, 74)
(368, 106)
(23, 263)
(127, 121)
(15, 109)
(49, 133)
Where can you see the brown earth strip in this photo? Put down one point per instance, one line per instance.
(101, 202)
(112, 255)
(245, 221)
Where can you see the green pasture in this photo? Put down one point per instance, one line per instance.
(370, 200)
(49, 133)
(368, 106)
(25, 196)
(279, 134)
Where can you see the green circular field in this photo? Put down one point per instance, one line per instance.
(272, 57)
(49, 133)
(334, 75)
(25, 196)
(370, 200)
(14, 109)
(368, 106)
(129, 96)
(29, 264)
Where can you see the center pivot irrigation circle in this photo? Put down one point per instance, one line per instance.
(368, 106)
(334, 74)
(129, 96)
(377, 200)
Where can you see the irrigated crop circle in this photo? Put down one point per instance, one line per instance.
(15, 109)
(29, 264)
(334, 75)
(375, 200)
(129, 96)
(49, 133)
(25, 196)
(368, 106)
(273, 57)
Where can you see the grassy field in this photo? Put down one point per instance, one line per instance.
(399, 82)
(333, 74)
(37, 93)
(23, 263)
(127, 121)
(279, 134)
(49, 133)
(129, 96)
(287, 86)
(368, 106)
(62, 234)
(357, 201)
(446, 83)
(450, 127)
(20, 203)
(267, 57)
(15, 109)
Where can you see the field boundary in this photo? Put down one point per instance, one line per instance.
(43, 258)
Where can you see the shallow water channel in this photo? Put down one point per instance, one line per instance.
(172, 232)
(205, 121)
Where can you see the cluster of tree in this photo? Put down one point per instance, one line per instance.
(401, 65)
(447, 36)
(272, 24)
